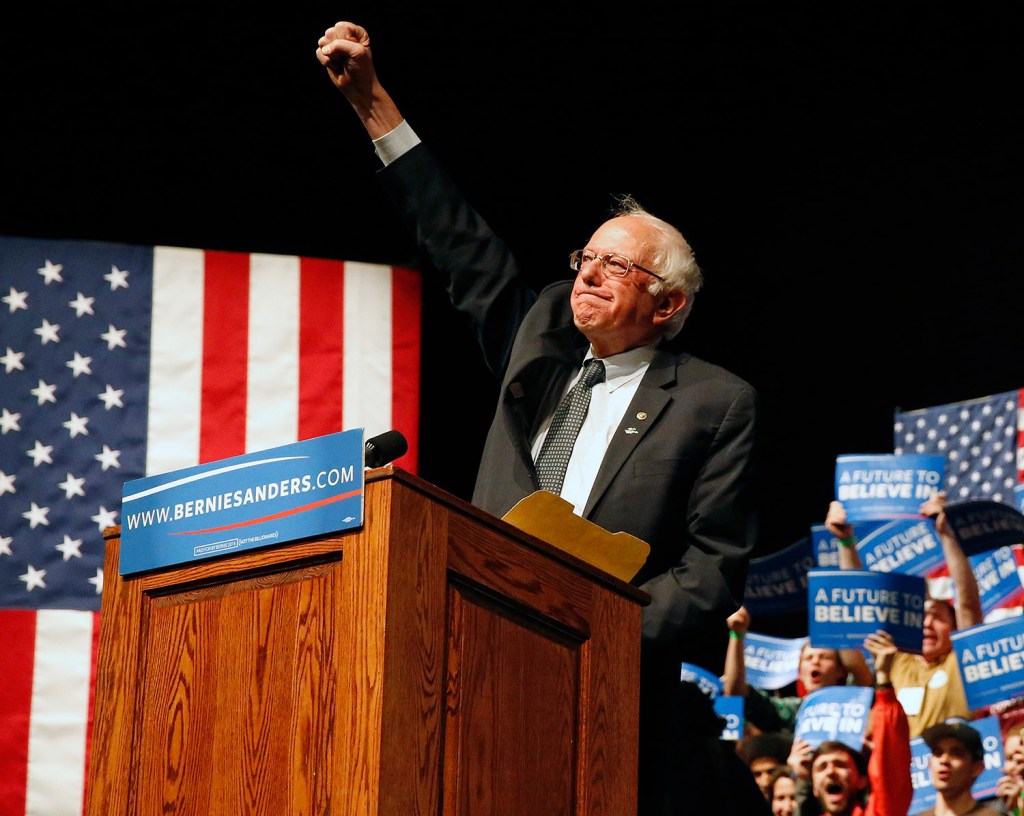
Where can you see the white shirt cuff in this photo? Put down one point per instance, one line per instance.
(395, 143)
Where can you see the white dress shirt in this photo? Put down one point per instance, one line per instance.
(608, 402)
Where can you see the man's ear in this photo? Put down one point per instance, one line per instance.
(668, 304)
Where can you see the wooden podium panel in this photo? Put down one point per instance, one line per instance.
(433, 661)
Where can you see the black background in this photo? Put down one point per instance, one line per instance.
(850, 179)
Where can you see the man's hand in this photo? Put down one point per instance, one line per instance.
(800, 758)
(739, 621)
(935, 508)
(1008, 790)
(835, 521)
(883, 650)
(344, 51)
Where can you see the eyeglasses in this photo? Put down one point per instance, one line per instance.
(611, 264)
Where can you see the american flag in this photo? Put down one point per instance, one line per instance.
(982, 440)
(120, 361)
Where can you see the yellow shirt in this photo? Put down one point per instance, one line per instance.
(933, 692)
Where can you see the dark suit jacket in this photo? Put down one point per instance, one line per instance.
(679, 471)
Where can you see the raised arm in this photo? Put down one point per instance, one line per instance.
(835, 523)
(344, 50)
(968, 599)
(734, 681)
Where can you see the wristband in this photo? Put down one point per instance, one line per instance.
(847, 542)
(735, 635)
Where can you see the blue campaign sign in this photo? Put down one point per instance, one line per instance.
(771, 662)
(845, 606)
(991, 661)
(835, 713)
(730, 709)
(984, 786)
(709, 683)
(999, 582)
(886, 485)
(826, 545)
(910, 546)
(777, 583)
(254, 500)
(920, 776)
(984, 525)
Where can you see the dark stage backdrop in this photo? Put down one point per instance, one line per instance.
(849, 177)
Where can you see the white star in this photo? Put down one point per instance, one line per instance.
(108, 458)
(79, 365)
(70, 547)
(16, 300)
(36, 515)
(7, 483)
(48, 332)
(12, 360)
(73, 486)
(117, 278)
(112, 396)
(44, 392)
(97, 581)
(82, 305)
(114, 337)
(51, 272)
(76, 425)
(105, 518)
(9, 421)
(5, 545)
(40, 453)
(33, 578)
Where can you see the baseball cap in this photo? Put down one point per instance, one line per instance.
(970, 737)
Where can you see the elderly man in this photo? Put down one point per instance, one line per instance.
(598, 402)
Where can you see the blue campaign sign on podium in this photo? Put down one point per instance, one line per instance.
(255, 500)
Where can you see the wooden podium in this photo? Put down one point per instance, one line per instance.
(434, 661)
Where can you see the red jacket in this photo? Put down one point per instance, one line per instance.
(889, 766)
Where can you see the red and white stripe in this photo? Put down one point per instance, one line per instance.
(49, 662)
(251, 351)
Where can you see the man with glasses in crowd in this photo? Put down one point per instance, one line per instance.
(665, 448)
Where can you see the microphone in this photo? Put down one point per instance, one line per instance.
(384, 448)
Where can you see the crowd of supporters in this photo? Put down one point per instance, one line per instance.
(914, 695)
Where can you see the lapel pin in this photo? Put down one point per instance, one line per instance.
(632, 430)
(641, 415)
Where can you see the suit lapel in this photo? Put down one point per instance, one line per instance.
(646, 407)
(534, 389)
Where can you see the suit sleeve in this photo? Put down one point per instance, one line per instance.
(478, 269)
